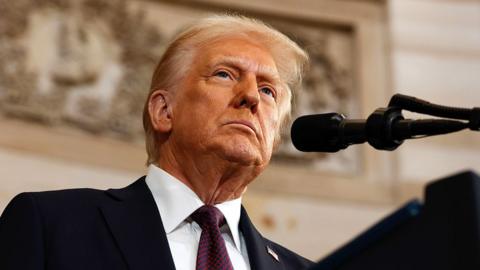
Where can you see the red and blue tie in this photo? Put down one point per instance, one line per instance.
(212, 253)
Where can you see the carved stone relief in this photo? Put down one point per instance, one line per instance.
(327, 87)
(87, 64)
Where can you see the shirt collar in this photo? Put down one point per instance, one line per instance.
(176, 202)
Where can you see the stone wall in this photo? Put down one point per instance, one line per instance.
(73, 78)
(436, 56)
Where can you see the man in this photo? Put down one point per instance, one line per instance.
(218, 99)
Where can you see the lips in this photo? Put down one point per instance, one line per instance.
(244, 123)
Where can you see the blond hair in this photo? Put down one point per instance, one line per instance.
(289, 58)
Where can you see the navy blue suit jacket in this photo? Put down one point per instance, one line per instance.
(113, 229)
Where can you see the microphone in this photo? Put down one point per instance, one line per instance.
(385, 129)
(329, 132)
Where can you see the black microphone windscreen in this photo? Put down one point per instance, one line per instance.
(317, 133)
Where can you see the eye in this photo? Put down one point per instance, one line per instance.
(267, 91)
(223, 74)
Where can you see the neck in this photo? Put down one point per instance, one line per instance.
(213, 179)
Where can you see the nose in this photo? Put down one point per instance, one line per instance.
(247, 95)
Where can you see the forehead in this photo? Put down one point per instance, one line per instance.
(240, 52)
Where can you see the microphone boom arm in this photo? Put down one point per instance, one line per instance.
(384, 129)
(417, 105)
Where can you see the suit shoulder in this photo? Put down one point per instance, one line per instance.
(290, 258)
(50, 206)
(69, 196)
(61, 201)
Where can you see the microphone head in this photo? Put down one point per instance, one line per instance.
(317, 133)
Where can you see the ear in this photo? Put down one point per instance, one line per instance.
(159, 108)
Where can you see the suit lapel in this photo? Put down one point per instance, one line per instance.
(259, 252)
(135, 223)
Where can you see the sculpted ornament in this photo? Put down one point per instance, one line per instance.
(87, 64)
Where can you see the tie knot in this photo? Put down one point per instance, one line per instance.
(208, 216)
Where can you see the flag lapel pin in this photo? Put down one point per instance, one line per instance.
(273, 254)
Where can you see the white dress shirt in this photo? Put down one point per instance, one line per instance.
(176, 202)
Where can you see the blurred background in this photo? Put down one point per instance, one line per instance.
(74, 75)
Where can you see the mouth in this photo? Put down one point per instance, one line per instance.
(245, 124)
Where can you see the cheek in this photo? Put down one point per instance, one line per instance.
(271, 129)
(203, 110)
(210, 97)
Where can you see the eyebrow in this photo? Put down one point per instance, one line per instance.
(243, 63)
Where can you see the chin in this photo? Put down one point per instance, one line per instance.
(242, 158)
(242, 154)
(238, 148)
